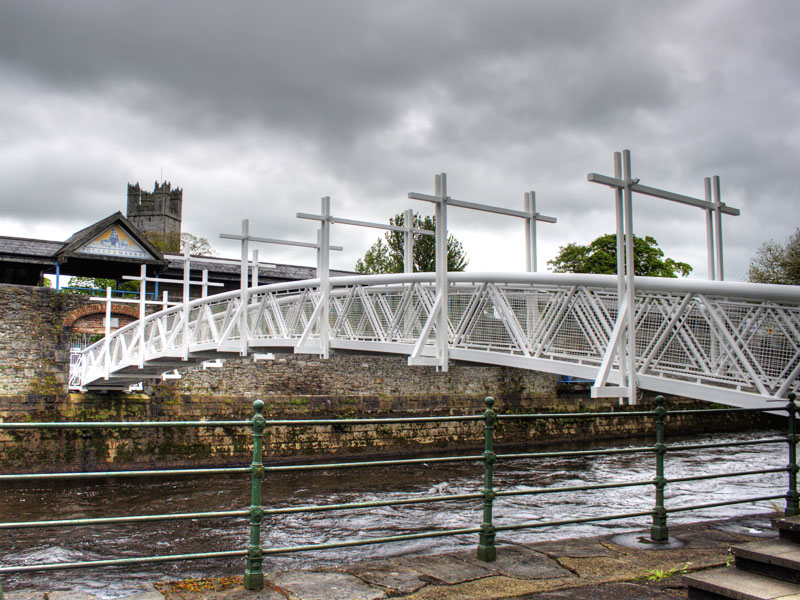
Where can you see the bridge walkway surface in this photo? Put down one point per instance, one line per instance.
(621, 566)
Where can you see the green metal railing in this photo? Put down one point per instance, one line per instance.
(254, 554)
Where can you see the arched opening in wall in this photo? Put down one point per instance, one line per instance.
(87, 325)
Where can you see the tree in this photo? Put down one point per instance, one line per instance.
(777, 263)
(388, 257)
(198, 246)
(93, 285)
(600, 256)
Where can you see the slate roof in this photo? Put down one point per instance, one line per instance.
(27, 247)
(230, 268)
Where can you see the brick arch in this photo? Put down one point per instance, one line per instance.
(91, 309)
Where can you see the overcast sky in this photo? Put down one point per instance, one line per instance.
(257, 109)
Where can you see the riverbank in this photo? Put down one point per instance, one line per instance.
(620, 566)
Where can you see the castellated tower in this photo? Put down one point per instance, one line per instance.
(157, 214)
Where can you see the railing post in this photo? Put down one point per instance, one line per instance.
(486, 549)
(253, 575)
(791, 495)
(659, 531)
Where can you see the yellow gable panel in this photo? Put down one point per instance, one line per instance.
(115, 241)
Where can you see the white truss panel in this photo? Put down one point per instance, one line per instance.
(710, 340)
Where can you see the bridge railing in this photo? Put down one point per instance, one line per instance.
(717, 341)
(486, 530)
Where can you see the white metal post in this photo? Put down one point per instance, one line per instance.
(204, 284)
(408, 241)
(187, 277)
(530, 232)
(323, 272)
(631, 290)
(243, 285)
(709, 230)
(142, 306)
(441, 269)
(254, 276)
(107, 347)
(718, 219)
(620, 220)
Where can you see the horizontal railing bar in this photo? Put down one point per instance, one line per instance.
(537, 524)
(119, 562)
(374, 504)
(577, 453)
(103, 474)
(723, 475)
(727, 503)
(576, 415)
(129, 519)
(696, 411)
(291, 422)
(576, 488)
(124, 424)
(380, 540)
(679, 448)
(374, 463)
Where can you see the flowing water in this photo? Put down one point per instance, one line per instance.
(116, 497)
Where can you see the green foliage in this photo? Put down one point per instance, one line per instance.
(388, 257)
(92, 285)
(600, 256)
(198, 246)
(777, 263)
(659, 574)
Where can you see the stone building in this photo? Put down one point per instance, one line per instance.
(157, 214)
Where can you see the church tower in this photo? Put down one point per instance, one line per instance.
(157, 214)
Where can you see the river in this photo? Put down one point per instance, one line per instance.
(126, 497)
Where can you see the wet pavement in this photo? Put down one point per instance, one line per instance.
(611, 566)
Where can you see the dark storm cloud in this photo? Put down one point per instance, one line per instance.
(261, 108)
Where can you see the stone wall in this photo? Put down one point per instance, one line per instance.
(34, 344)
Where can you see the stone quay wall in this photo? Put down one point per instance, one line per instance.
(34, 362)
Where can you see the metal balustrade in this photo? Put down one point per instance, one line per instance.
(732, 343)
(255, 553)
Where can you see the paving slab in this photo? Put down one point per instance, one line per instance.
(578, 548)
(324, 585)
(445, 568)
(519, 563)
(390, 575)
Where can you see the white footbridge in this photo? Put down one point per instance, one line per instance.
(731, 343)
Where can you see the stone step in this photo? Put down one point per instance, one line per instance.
(789, 528)
(773, 558)
(728, 582)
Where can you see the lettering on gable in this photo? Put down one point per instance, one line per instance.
(115, 241)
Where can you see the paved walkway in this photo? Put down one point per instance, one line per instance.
(573, 569)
